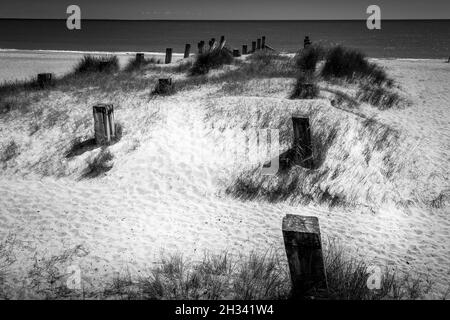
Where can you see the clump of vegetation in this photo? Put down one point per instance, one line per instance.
(10, 152)
(211, 60)
(48, 275)
(308, 58)
(7, 258)
(89, 63)
(164, 87)
(305, 87)
(99, 165)
(347, 279)
(347, 63)
(379, 96)
(256, 276)
(135, 64)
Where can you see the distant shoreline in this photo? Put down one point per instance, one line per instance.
(160, 53)
(23, 64)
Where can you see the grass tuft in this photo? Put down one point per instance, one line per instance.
(89, 64)
(99, 165)
(305, 87)
(10, 151)
(308, 58)
(378, 96)
(134, 64)
(352, 64)
(210, 60)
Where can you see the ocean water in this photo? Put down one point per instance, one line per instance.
(396, 39)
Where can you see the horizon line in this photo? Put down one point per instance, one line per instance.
(236, 20)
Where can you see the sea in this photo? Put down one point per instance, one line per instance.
(417, 39)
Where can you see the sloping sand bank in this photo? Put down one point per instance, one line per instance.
(167, 193)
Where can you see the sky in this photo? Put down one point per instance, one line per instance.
(225, 9)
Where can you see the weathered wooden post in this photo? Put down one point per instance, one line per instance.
(187, 50)
(44, 79)
(139, 58)
(104, 126)
(236, 53)
(164, 86)
(212, 44)
(253, 46)
(168, 55)
(263, 42)
(302, 146)
(258, 44)
(244, 49)
(304, 254)
(201, 46)
(222, 42)
(306, 42)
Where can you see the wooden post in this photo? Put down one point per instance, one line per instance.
(104, 126)
(306, 42)
(139, 58)
(263, 42)
(304, 253)
(168, 55)
(258, 44)
(222, 42)
(302, 146)
(164, 86)
(212, 44)
(253, 46)
(44, 79)
(236, 53)
(244, 49)
(201, 46)
(187, 50)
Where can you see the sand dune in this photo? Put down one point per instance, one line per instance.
(166, 189)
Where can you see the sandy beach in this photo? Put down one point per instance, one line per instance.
(167, 188)
(26, 64)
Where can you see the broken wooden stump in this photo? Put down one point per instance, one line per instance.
(263, 42)
(212, 44)
(104, 127)
(236, 53)
(304, 253)
(222, 42)
(244, 49)
(187, 50)
(302, 146)
(44, 80)
(168, 55)
(164, 86)
(258, 44)
(140, 58)
(201, 47)
(306, 42)
(253, 46)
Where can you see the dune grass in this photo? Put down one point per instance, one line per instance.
(305, 87)
(134, 64)
(210, 60)
(89, 63)
(252, 276)
(351, 64)
(99, 164)
(306, 60)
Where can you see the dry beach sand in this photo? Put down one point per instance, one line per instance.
(166, 190)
